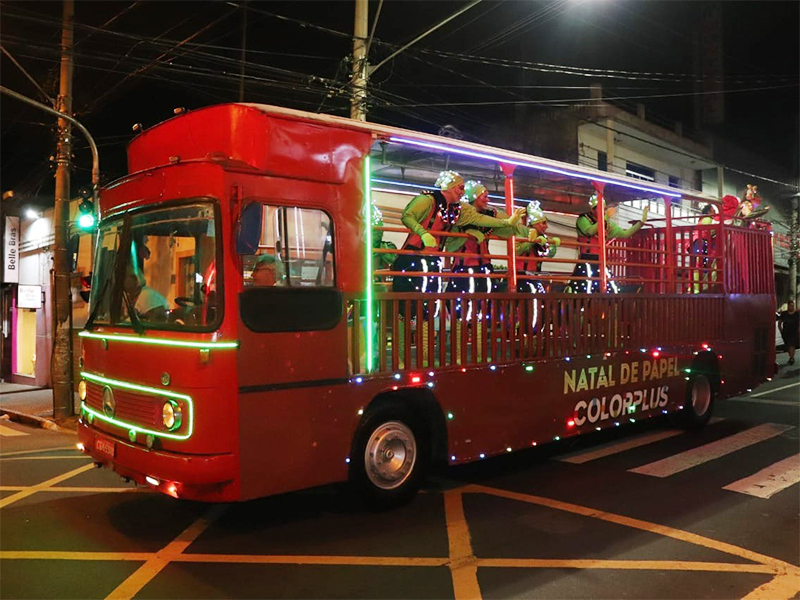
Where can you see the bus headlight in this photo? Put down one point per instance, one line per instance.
(82, 389)
(171, 414)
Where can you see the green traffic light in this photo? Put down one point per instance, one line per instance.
(86, 221)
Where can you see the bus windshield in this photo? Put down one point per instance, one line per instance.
(157, 269)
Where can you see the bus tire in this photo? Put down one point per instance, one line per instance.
(390, 459)
(699, 403)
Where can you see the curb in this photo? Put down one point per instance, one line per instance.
(35, 421)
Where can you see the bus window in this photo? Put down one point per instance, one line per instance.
(295, 249)
(167, 270)
(290, 282)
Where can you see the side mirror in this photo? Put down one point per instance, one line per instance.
(250, 228)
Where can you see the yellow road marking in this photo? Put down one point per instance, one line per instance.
(678, 534)
(399, 561)
(781, 587)
(371, 561)
(4, 454)
(45, 484)
(156, 563)
(66, 488)
(66, 555)
(462, 559)
(624, 565)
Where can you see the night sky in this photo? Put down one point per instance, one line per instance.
(128, 69)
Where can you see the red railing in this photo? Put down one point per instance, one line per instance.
(503, 328)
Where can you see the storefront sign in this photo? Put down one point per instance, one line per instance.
(11, 251)
(29, 296)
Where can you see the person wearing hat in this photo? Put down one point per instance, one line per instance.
(476, 195)
(438, 211)
(702, 241)
(587, 266)
(267, 272)
(748, 210)
(530, 254)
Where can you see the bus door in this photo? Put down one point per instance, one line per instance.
(293, 332)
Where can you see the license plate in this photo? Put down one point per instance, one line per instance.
(104, 446)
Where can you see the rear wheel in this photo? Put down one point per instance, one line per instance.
(390, 458)
(699, 403)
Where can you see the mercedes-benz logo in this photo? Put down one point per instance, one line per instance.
(109, 402)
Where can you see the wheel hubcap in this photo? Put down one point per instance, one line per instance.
(390, 455)
(701, 395)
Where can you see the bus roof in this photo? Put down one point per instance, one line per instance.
(472, 154)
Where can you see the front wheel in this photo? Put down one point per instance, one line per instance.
(699, 403)
(390, 458)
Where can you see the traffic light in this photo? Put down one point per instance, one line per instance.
(86, 220)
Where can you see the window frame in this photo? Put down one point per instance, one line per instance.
(123, 254)
(283, 203)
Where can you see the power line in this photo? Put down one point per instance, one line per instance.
(567, 101)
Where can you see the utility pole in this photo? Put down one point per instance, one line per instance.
(794, 250)
(61, 363)
(358, 98)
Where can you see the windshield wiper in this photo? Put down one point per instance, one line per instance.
(136, 322)
(96, 308)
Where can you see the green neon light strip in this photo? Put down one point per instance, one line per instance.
(368, 219)
(159, 341)
(147, 390)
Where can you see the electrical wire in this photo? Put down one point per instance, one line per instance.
(567, 101)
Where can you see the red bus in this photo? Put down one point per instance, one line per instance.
(205, 383)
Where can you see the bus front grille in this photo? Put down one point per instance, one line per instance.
(133, 408)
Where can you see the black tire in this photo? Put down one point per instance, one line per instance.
(390, 458)
(699, 402)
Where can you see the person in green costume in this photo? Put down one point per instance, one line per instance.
(587, 234)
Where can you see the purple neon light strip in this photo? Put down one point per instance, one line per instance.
(528, 165)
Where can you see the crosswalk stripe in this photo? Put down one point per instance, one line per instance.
(697, 456)
(583, 456)
(7, 431)
(764, 401)
(770, 480)
(765, 392)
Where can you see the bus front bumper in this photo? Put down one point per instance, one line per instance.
(146, 466)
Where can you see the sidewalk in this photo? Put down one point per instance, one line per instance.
(32, 404)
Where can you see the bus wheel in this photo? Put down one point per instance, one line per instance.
(390, 458)
(699, 403)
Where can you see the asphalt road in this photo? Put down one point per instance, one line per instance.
(641, 512)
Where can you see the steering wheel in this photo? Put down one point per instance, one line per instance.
(185, 302)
